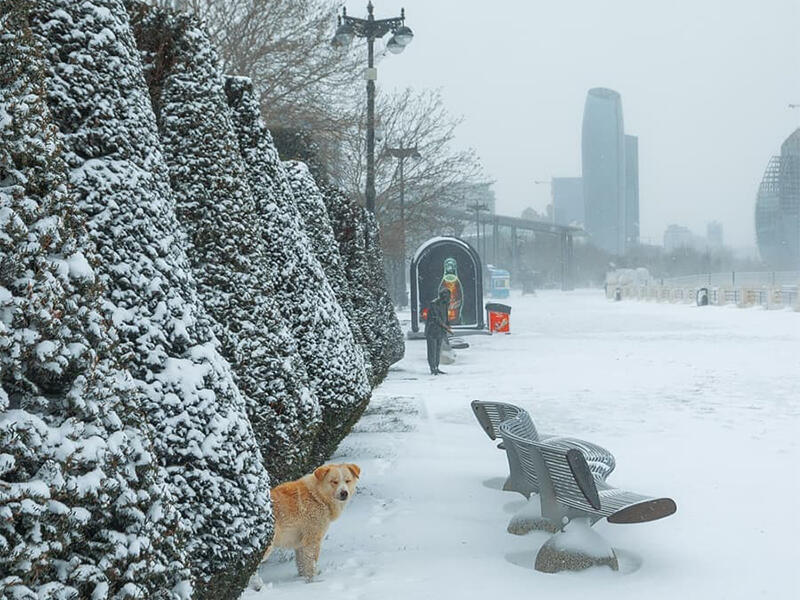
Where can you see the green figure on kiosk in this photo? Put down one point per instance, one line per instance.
(452, 284)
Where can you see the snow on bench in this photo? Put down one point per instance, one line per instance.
(570, 491)
(569, 476)
(491, 414)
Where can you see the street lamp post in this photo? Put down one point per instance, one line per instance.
(372, 29)
(401, 154)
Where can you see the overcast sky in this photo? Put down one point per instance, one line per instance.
(705, 84)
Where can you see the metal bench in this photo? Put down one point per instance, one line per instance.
(491, 414)
(569, 489)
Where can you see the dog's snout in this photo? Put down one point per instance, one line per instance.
(343, 495)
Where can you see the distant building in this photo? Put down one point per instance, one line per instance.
(678, 236)
(568, 206)
(714, 235)
(603, 159)
(778, 208)
(631, 191)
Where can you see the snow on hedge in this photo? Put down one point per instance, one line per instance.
(358, 236)
(227, 247)
(83, 507)
(98, 98)
(311, 207)
(334, 363)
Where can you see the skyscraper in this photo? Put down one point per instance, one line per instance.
(778, 208)
(603, 157)
(631, 191)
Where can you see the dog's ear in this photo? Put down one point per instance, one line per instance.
(320, 472)
(355, 470)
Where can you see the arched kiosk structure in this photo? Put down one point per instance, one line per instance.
(448, 262)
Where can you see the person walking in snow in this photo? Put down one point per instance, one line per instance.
(436, 329)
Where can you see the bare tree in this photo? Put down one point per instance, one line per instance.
(433, 183)
(284, 47)
(312, 98)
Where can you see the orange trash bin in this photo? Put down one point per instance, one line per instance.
(498, 317)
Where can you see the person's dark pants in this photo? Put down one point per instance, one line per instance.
(434, 352)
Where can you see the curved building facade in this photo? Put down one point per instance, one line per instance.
(778, 208)
(603, 158)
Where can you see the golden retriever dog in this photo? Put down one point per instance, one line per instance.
(304, 509)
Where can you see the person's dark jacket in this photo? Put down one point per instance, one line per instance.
(436, 323)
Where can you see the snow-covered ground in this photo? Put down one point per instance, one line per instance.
(699, 404)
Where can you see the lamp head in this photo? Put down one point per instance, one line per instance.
(394, 46)
(403, 35)
(344, 35)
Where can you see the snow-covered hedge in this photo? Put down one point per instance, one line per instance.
(202, 437)
(358, 236)
(83, 507)
(311, 206)
(335, 366)
(176, 310)
(226, 243)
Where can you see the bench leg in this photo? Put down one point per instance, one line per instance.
(576, 548)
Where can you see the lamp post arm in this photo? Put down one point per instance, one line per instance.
(367, 28)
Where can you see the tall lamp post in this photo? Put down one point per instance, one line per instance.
(401, 154)
(372, 29)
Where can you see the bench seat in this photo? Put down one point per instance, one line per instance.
(491, 414)
(569, 488)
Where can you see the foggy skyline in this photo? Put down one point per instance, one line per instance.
(705, 86)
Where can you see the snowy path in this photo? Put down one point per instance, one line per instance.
(698, 404)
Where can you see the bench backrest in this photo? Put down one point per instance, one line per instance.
(522, 425)
(570, 476)
(491, 414)
(513, 431)
(560, 474)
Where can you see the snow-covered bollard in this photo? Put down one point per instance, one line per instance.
(575, 548)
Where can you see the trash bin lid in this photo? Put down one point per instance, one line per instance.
(497, 307)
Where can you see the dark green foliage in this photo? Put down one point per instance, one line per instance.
(358, 237)
(334, 363)
(311, 206)
(202, 437)
(83, 509)
(227, 247)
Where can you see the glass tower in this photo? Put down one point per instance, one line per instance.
(778, 208)
(603, 158)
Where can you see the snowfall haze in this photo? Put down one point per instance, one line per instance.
(705, 85)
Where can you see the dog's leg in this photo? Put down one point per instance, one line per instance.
(315, 552)
(311, 555)
(305, 562)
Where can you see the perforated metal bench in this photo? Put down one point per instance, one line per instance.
(491, 414)
(569, 489)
